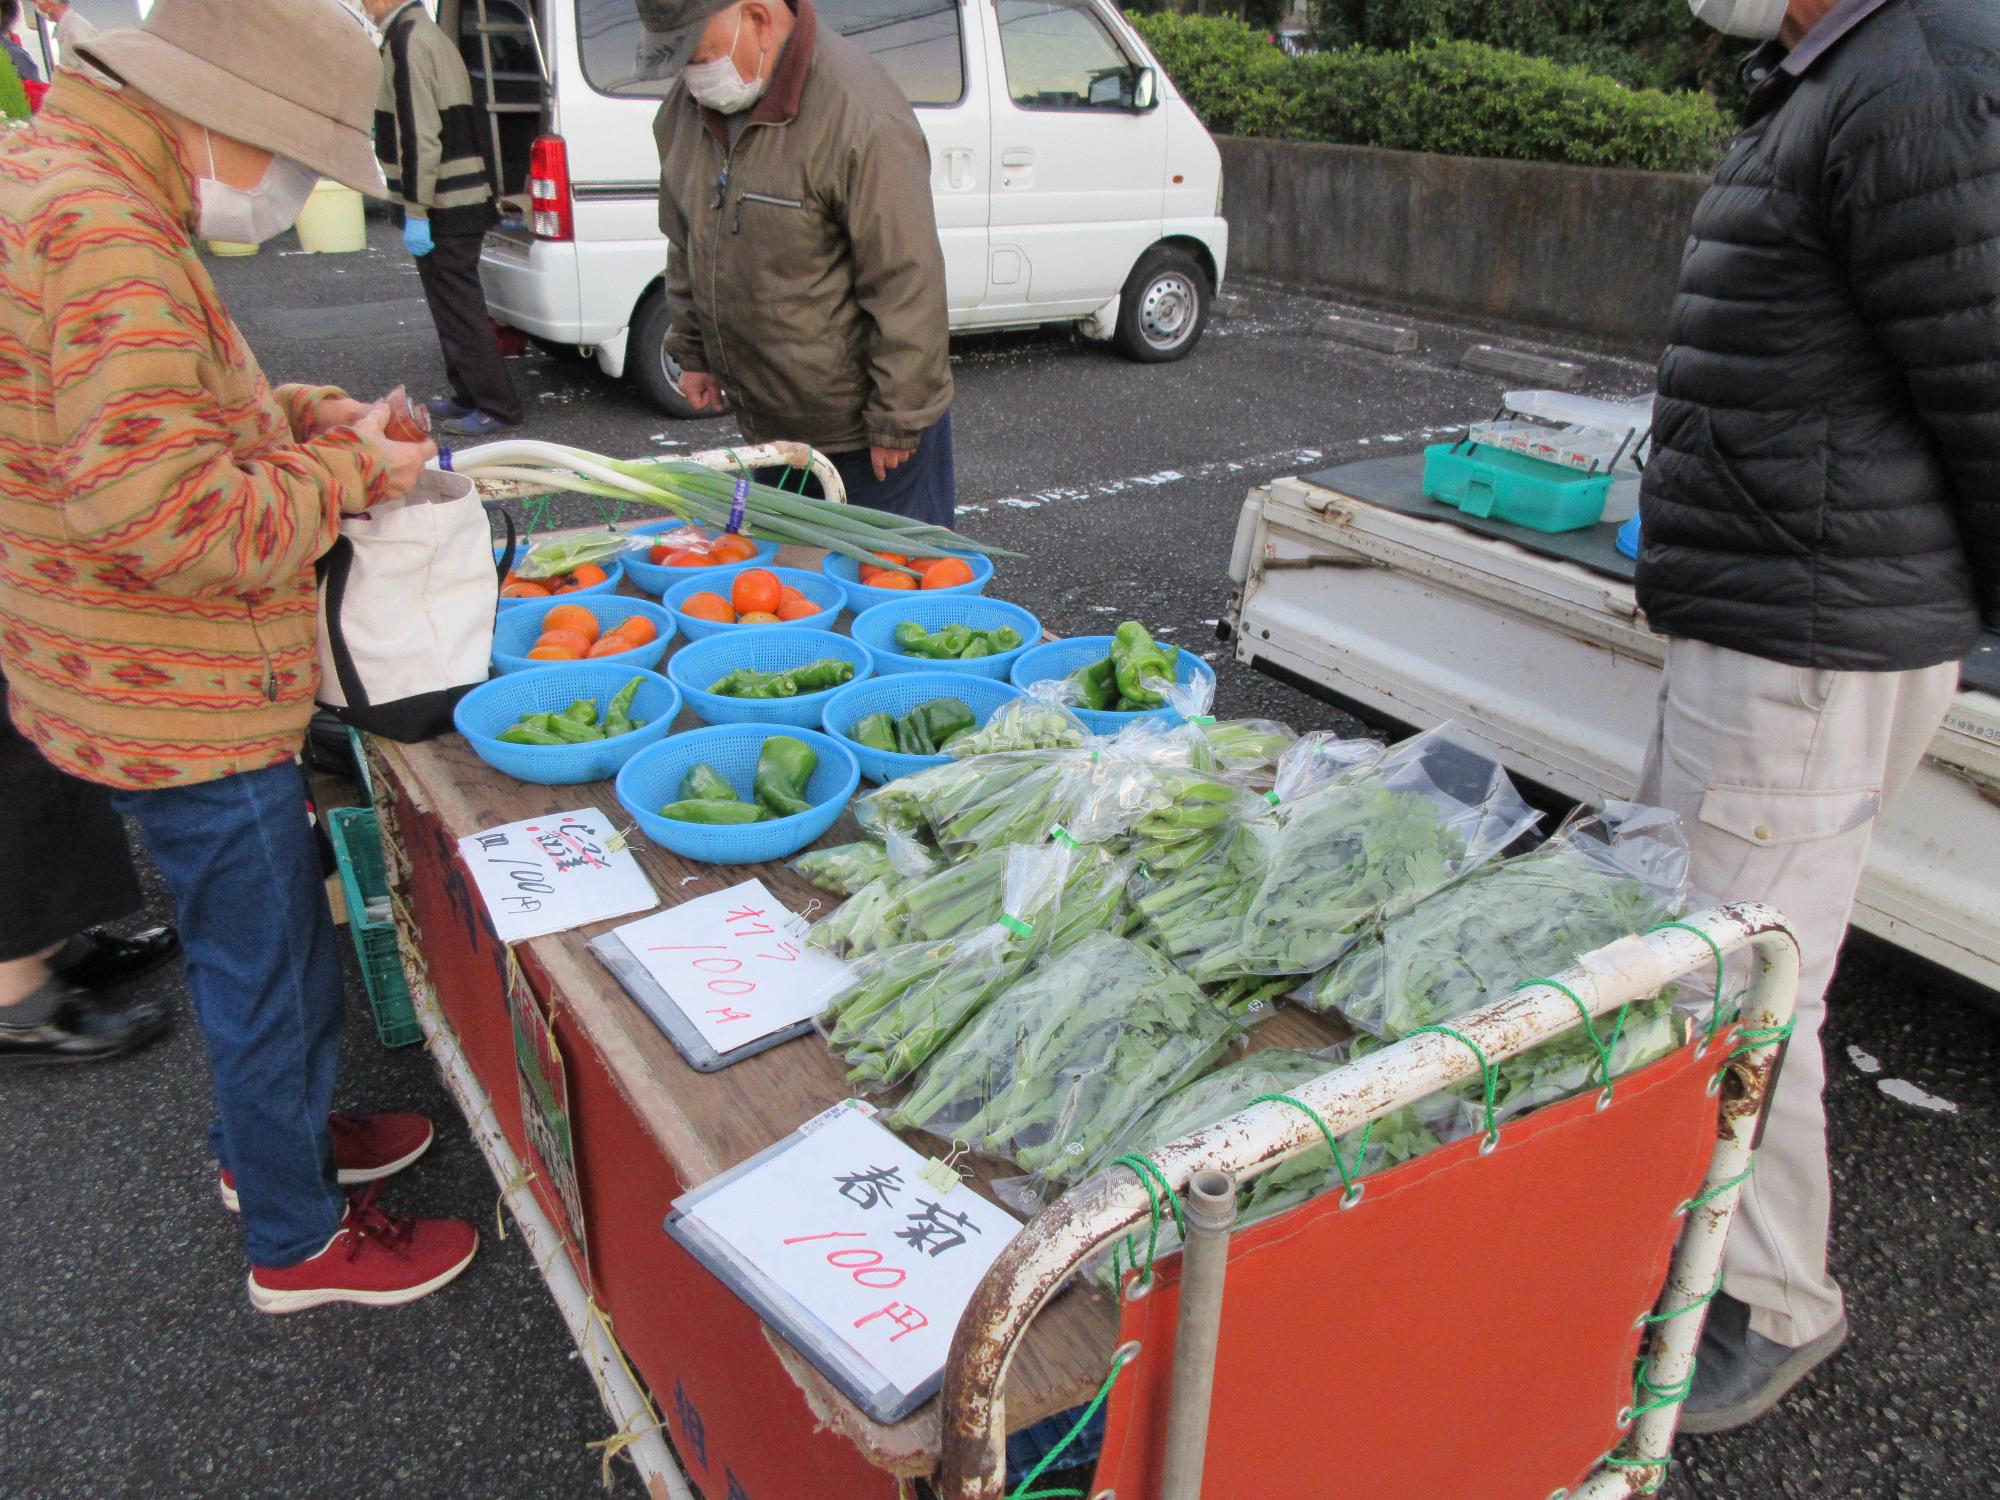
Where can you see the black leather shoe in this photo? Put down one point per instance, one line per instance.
(79, 1027)
(96, 960)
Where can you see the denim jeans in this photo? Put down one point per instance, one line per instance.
(239, 856)
(924, 487)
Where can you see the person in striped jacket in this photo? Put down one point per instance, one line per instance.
(427, 136)
(161, 508)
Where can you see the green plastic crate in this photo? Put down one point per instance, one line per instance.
(357, 845)
(1513, 487)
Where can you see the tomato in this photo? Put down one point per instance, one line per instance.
(756, 591)
(707, 606)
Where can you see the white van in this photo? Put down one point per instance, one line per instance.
(1073, 184)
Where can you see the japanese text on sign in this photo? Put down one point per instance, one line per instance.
(841, 1223)
(735, 964)
(549, 874)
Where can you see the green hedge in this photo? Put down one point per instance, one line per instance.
(1455, 98)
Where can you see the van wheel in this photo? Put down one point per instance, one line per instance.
(1163, 308)
(647, 362)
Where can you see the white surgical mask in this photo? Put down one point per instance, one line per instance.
(718, 85)
(250, 216)
(1757, 19)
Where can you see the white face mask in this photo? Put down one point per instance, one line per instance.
(250, 216)
(1759, 20)
(718, 85)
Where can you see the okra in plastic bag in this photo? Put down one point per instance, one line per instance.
(1600, 877)
(565, 554)
(1063, 1062)
(903, 1004)
(1027, 723)
(864, 922)
(1371, 843)
(844, 868)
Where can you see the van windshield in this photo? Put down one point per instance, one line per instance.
(918, 41)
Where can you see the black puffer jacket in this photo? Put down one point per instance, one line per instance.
(1825, 483)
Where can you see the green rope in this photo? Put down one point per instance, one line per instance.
(1154, 1181)
(1702, 1301)
(1720, 1188)
(1723, 1011)
(1752, 1037)
(1021, 1490)
(1339, 1162)
(1489, 1073)
(1662, 1396)
(1603, 1048)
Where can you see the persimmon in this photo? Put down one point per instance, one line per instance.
(756, 591)
(707, 606)
(639, 630)
(947, 572)
(798, 608)
(613, 644)
(732, 547)
(757, 617)
(575, 619)
(587, 575)
(691, 557)
(569, 640)
(554, 653)
(887, 580)
(521, 588)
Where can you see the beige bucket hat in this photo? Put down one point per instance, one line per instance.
(298, 77)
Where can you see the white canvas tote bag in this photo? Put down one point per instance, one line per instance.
(406, 602)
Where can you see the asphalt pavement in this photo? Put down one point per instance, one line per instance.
(131, 1364)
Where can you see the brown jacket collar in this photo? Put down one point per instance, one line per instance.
(780, 104)
(131, 136)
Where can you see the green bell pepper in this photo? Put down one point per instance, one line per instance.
(1137, 660)
(702, 810)
(748, 682)
(529, 734)
(945, 719)
(784, 766)
(706, 784)
(913, 735)
(1002, 639)
(618, 712)
(575, 731)
(976, 647)
(1096, 685)
(877, 731)
(818, 676)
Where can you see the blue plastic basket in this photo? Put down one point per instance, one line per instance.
(515, 632)
(653, 779)
(860, 596)
(614, 574)
(656, 580)
(1060, 658)
(876, 629)
(775, 648)
(822, 591)
(896, 696)
(495, 706)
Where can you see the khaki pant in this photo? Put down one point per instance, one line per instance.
(1778, 773)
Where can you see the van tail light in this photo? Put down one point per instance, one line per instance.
(553, 207)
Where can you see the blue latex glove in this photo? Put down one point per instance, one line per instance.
(417, 237)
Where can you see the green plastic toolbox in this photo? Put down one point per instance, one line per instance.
(1512, 487)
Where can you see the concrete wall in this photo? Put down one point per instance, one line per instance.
(1581, 250)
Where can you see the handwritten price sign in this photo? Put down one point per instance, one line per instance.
(735, 964)
(842, 1226)
(552, 873)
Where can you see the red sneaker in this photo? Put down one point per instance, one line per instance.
(366, 1148)
(375, 1259)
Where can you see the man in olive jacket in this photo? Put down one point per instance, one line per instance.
(1821, 539)
(806, 277)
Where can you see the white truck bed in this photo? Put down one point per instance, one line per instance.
(1549, 664)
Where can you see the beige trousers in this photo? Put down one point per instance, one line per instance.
(1778, 773)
